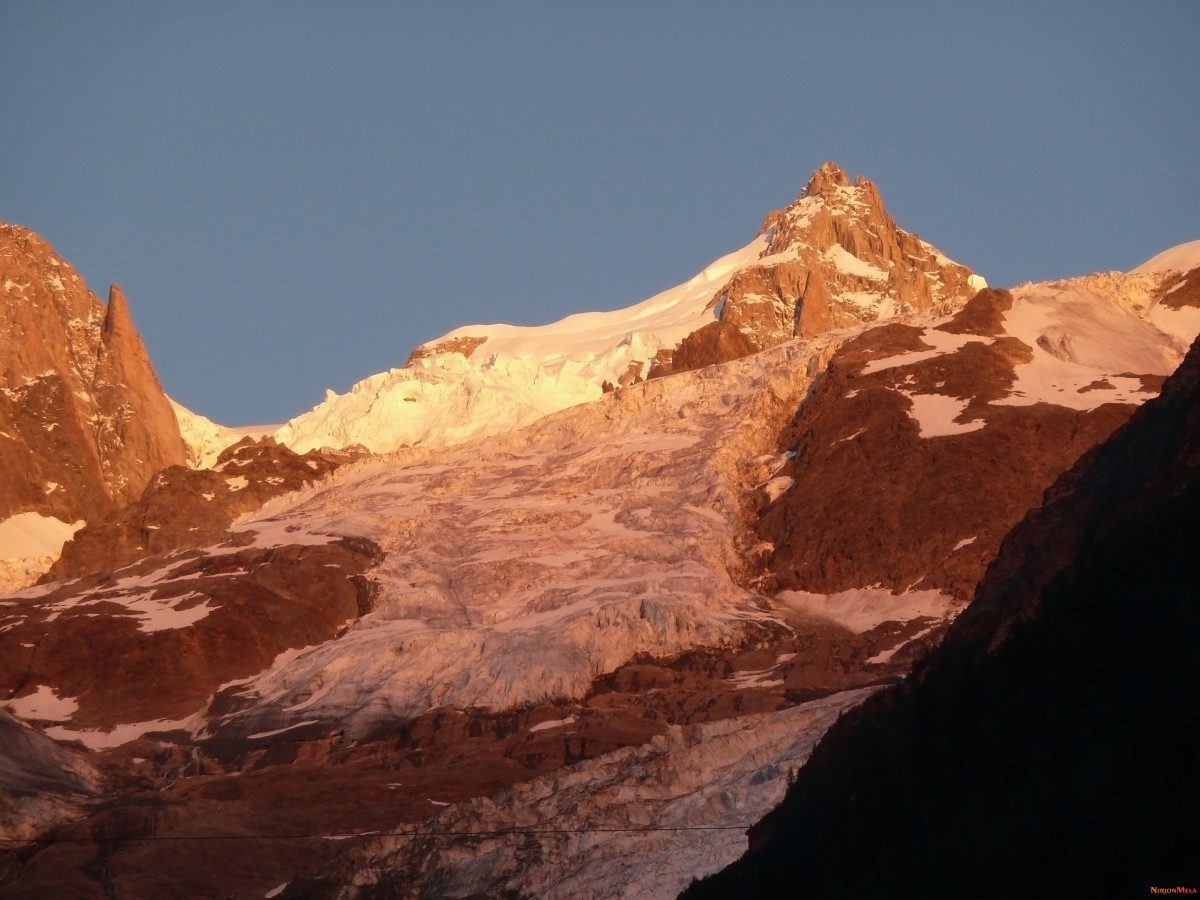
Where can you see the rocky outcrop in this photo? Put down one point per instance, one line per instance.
(155, 640)
(1043, 747)
(84, 424)
(939, 413)
(183, 508)
(136, 431)
(833, 258)
(464, 346)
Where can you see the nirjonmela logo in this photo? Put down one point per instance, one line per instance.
(1172, 890)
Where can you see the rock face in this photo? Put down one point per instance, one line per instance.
(183, 508)
(1042, 748)
(972, 419)
(833, 258)
(84, 424)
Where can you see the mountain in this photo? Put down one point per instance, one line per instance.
(1045, 746)
(576, 656)
(84, 424)
(832, 259)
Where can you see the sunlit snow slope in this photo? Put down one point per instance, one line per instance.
(517, 375)
(525, 566)
(831, 259)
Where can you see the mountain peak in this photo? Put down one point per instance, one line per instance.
(85, 420)
(116, 316)
(825, 180)
(832, 259)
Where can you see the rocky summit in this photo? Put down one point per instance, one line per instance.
(561, 611)
(832, 259)
(84, 423)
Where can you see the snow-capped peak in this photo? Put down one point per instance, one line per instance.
(831, 259)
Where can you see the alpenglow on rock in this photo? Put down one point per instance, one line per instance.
(833, 258)
(84, 424)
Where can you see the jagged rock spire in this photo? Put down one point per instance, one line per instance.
(88, 422)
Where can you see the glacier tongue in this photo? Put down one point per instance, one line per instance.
(522, 567)
(641, 822)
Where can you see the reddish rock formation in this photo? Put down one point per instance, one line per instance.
(155, 640)
(84, 423)
(185, 508)
(463, 345)
(834, 258)
(948, 500)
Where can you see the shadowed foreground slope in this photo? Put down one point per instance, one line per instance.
(1049, 747)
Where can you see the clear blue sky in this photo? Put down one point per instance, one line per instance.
(295, 194)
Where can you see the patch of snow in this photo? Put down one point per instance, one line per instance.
(517, 376)
(103, 739)
(963, 543)
(1080, 335)
(941, 343)
(885, 656)
(850, 437)
(845, 261)
(776, 487)
(935, 414)
(34, 535)
(1183, 324)
(206, 439)
(279, 731)
(1180, 258)
(862, 609)
(43, 704)
(153, 613)
(166, 614)
(553, 723)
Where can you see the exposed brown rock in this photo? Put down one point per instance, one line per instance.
(983, 314)
(1180, 291)
(137, 432)
(463, 345)
(84, 424)
(185, 508)
(84, 640)
(715, 343)
(834, 259)
(948, 501)
(1051, 716)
